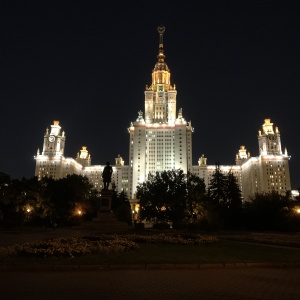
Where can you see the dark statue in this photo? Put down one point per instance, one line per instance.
(106, 175)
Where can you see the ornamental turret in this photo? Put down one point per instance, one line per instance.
(242, 155)
(84, 158)
(269, 140)
(54, 142)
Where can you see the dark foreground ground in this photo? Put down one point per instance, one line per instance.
(214, 281)
(215, 284)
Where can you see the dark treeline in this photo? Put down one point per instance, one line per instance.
(50, 203)
(168, 198)
(183, 200)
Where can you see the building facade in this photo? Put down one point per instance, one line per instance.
(161, 139)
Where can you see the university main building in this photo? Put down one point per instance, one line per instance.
(161, 139)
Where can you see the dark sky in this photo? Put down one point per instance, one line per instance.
(87, 63)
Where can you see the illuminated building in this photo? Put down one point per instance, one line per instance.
(270, 170)
(161, 139)
(265, 173)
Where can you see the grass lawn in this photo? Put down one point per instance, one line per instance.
(224, 251)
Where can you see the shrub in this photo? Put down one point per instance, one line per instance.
(102, 244)
(70, 247)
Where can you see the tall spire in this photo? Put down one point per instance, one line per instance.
(161, 56)
(161, 73)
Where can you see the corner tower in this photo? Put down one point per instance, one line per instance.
(270, 170)
(274, 173)
(49, 163)
(54, 142)
(269, 140)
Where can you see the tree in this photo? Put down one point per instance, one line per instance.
(162, 197)
(36, 208)
(5, 189)
(121, 207)
(217, 188)
(70, 198)
(7, 210)
(195, 199)
(233, 192)
(5, 184)
(232, 210)
(172, 197)
(268, 211)
(20, 201)
(65, 200)
(224, 200)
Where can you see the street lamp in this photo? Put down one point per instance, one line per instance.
(28, 208)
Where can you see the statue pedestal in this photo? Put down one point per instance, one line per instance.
(105, 200)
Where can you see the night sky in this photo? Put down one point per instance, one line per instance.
(86, 64)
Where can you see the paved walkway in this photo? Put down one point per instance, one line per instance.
(213, 284)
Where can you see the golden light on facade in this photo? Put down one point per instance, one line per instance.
(135, 208)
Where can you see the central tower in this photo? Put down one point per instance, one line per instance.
(158, 139)
(160, 97)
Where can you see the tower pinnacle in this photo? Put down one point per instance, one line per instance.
(161, 56)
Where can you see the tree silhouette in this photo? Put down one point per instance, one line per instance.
(162, 197)
(224, 200)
